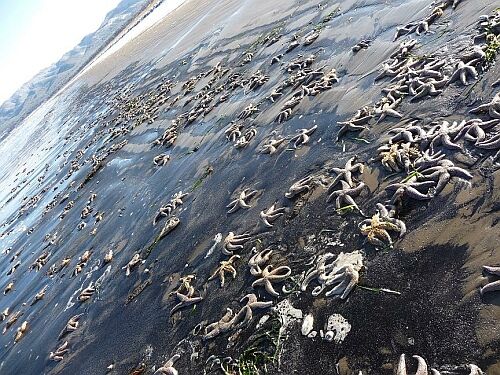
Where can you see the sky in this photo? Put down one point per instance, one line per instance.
(36, 33)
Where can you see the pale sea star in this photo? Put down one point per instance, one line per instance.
(241, 201)
(270, 275)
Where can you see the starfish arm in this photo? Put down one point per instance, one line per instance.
(446, 141)
(243, 317)
(338, 201)
(393, 113)
(454, 76)
(442, 182)
(422, 366)
(270, 289)
(490, 144)
(401, 369)
(494, 113)
(420, 93)
(275, 216)
(352, 284)
(463, 77)
(308, 278)
(337, 289)
(243, 204)
(351, 202)
(481, 108)
(491, 287)
(459, 172)
(415, 194)
(233, 206)
(492, 270)
(261, 304)
(265, 220)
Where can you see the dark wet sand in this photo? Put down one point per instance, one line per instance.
(436, 266)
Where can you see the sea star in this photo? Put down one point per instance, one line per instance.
(363, 44)
(342, 273)
(429, 87)
(161, 160)
(257, 79)
(361, 117)
(409, 187)
(99, 215)
(376, 229)
(169, 226)
(4, 314)
(272, 146)
(59, 353)
(397, 156)
(87, 293)
(258, 260)
(136, 259)
(284, 115)
(441, 134)
(443, 173)
(492, 143)
(385, 109)
(346, 172)
(21, 331)
(71, 325)
(428, 159)
(299, 187)
(241, 201)
(474, 130)
(345, 195)
(245, 315)
(233, 132)
(223, 325)
(492, 108)
(270, 275)
(303, 136)
(271, 214)
(388, 215)
(185, 294)
(405, 30)
(167, 209)
(40, 295)
(248, 111)
(169, 136)
(462, 72)
(8, 288)
(396, 91)
(13, 319)
(423, 26)
(492, 286)
(348, 126)
(389, 70)
(225, 266)
(234, 242)
(276, 59)
(276, 93)
(474, 370)
(245, 139)
(311, 37)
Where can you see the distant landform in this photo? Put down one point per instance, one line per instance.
(49, 80)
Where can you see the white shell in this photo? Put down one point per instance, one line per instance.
(329, 336)
(337, 328)
(307, 324)
(312, 335)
